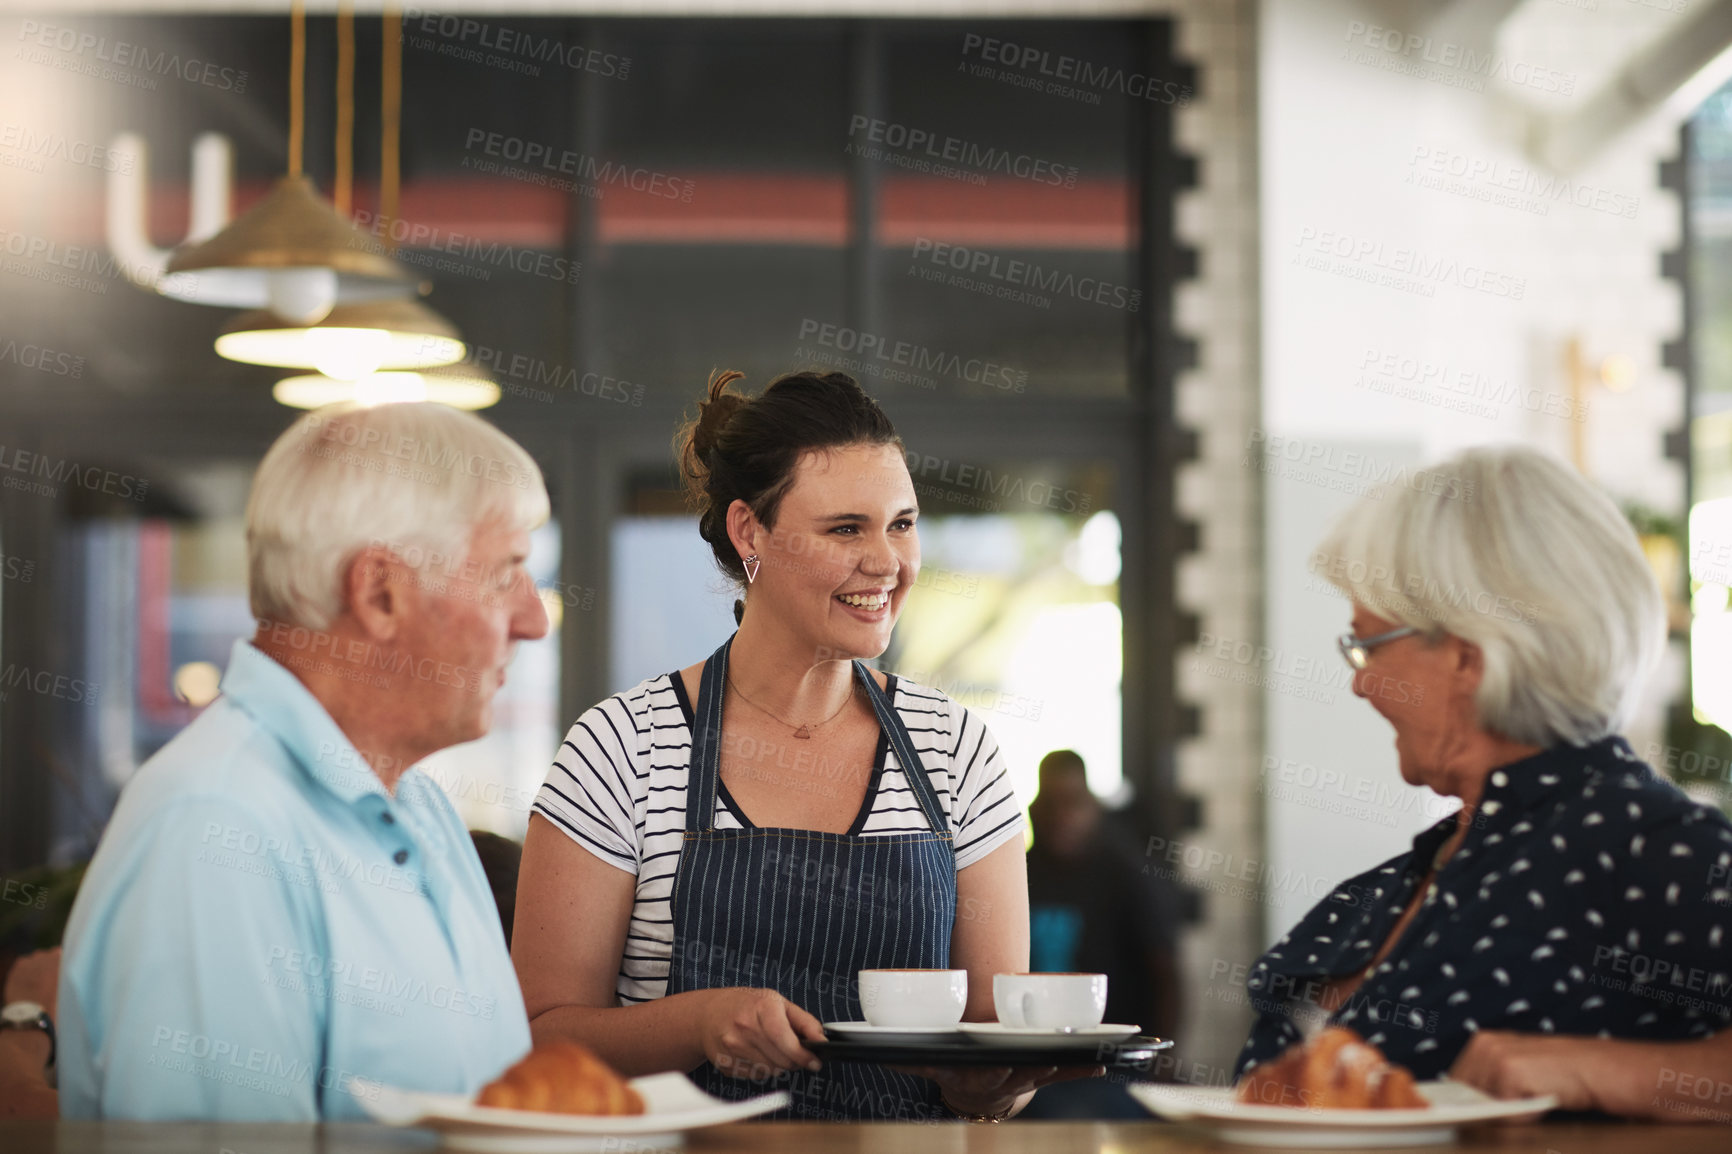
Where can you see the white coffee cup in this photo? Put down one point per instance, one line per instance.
(913, 998)
(1050, 1001)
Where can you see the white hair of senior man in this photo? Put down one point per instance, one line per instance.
(415, 478)
(1514, 551)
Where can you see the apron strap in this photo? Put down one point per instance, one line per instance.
(891, 722)
(704, 774)
(705, 770)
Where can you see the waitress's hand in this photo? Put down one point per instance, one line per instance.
(994, 1090)
(754, 1034)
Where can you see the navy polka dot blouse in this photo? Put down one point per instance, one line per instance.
(1590, 897)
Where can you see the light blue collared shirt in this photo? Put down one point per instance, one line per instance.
(261, 922)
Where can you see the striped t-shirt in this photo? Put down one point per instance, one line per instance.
(618, 789)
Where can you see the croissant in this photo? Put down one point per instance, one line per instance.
(562, 1078)
(1336, 1070)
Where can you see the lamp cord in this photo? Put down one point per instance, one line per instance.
(297, 82)
(342, 189)
(390, 122)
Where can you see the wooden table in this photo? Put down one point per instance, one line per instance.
(819, 1138)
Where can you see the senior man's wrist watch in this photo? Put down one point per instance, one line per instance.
(30, 1016)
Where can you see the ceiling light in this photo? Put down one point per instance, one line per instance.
(353, 341)
(459, 386)
(197, 683)
(1618, 372)
(292, 251)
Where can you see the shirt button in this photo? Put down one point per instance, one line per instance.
(387, 819)
(400, 856)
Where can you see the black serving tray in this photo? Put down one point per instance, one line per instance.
(1129, 1054)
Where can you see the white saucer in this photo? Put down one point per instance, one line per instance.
(672, 1106)
(1045, 1035)
(1214, 1111)
(867, 1032)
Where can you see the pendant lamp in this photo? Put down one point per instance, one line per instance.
(352, 341)
(292, 252)
(459, 386)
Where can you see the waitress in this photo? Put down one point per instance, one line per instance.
(718, 850)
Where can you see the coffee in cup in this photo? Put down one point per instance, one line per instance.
(913, 998)
(1050, 1001)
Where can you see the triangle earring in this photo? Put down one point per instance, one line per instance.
(751, 563)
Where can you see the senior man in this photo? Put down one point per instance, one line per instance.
(281, 902)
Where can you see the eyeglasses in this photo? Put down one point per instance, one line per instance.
(1357, 650)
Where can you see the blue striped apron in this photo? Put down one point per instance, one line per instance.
(801, 912)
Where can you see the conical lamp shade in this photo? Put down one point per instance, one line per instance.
(354, 341)
(460, 386)
(291, 252)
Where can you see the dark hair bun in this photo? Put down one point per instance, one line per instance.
(713, 416)
(744, 448)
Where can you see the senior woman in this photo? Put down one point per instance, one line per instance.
(1501, 624)
(718, 850)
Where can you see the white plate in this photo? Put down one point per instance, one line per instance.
(1045, 1035)
(1212, 1109)
(889, 1035)
(672, 1105)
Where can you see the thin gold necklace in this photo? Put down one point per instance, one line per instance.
(804, 732)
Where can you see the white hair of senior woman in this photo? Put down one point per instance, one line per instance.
(1514, 551)
(417, 479)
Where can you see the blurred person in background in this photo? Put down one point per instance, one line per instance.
(28, 1047)
(32, 923)
(282, 901)
(1093, 908)
(1569, 929)
(500, 857)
